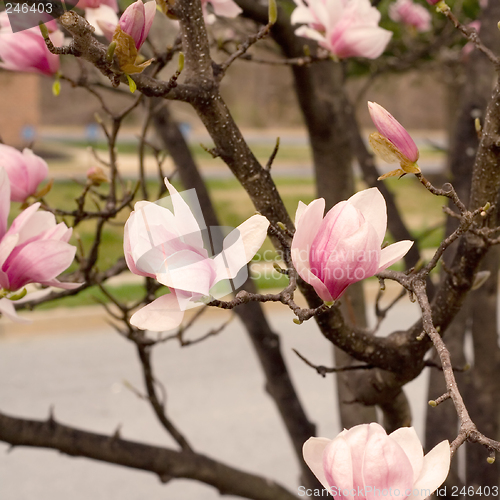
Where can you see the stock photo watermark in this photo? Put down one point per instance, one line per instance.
(363, 492)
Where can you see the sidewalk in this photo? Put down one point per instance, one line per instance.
(87, 318)
(75, 161)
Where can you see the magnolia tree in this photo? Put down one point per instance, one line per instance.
(326, 248)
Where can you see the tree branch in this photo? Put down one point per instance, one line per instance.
(167, 464)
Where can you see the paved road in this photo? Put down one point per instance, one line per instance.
(215, 394)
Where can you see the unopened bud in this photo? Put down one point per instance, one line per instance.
(44, 30)
(96, 176)
(329, 303)
(480, 279)
(297, 321)
(441, 6)
(111, 52)
(477, 125)
(491, 460)
(273, 11)
(56, 87)
(432, 403)
(281, 226)
(180, 65)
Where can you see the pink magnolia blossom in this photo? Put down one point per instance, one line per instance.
(411, 14)
(25, 170)
(365, 459)
(392, 142)
(5, 23)
(224, 8)
(137, 19)
(347, 28)
(95, 4)
(103, 19)
(26, 51)
(168, 246)
(433, 2)
(34, 249)
(344, 247)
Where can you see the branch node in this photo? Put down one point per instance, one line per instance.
(116, 435)
(51, 420)
(213, 152)
(439, 400)
(165, 478)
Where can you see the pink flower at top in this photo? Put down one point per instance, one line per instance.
(103, 19)
(224, 8)
(410, 14)
(101, 14)
(367, 461)
(332, 252)
(95, 4)
(137, 19)
(25, 51)
(392, 142)
(25, 170)
(34, 249)
(347, 28)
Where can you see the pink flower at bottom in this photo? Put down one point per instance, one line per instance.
(224, 8)
(370, 463)
(344, 247)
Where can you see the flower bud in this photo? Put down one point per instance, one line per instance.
(96, 176)
(136, 21)
(392, 143)
(131, 32)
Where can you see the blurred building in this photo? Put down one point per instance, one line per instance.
(418, 99)
(20, 107)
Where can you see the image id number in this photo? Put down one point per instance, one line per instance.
(469, 491)
(24, 8)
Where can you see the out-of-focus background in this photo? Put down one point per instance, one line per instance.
(70, 359)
